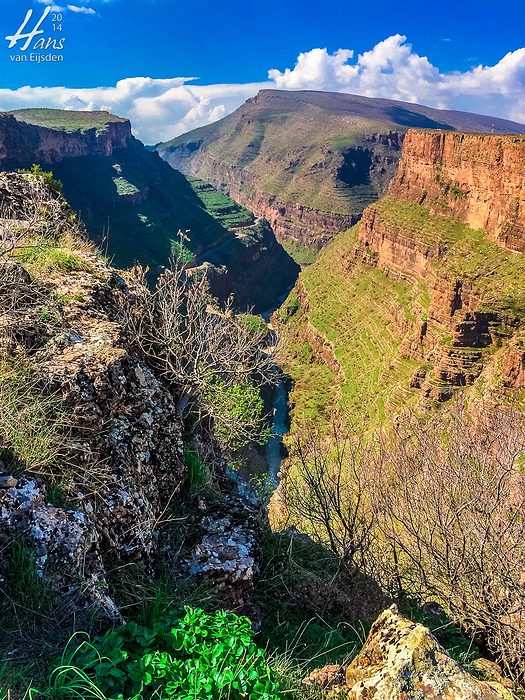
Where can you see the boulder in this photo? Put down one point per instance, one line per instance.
(401, 660)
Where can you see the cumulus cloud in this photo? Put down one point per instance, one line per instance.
(392, 69)
(160, 109)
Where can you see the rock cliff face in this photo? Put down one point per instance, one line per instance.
(426, 295)
(310, 162)
(119, 462)
(477, 178)
(21, 142)
(444, 181)
(134, 204)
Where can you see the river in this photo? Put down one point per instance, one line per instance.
(279, 428)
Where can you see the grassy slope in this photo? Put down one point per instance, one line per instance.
(355, 309)
(293, 144)
(496, 274)
(220, 206)
(66, 120)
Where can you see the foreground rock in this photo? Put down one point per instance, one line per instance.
(401, 660)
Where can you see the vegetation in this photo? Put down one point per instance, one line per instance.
(200, 656)
(300, 253)
(66, 120)
(216, 361)
(220, 206)
(496, 274)
(352, 306)
(431, 510)
(33, 422)
(36, 173)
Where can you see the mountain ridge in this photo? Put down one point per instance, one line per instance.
(310, 162)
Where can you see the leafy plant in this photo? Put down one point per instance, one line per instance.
(241, 411)
(198, 657)
(37, 172)
(181, 253)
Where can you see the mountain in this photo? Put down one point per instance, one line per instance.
(426, 296)
(310, 162)
(134, 203)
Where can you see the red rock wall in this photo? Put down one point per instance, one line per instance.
(478, 178)
(22, 143)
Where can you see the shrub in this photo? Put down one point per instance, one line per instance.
(238, 411)
(199, 657)
(37, 172)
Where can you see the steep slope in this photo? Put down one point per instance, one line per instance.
(310, 162)
(415, 302)
(133, 203)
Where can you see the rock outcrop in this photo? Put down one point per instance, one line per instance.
(121, 459)
(401, 660)
(477, 178)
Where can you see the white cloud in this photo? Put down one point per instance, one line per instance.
(393, 70)
(82, 6)
(159, 109)
(82, 10)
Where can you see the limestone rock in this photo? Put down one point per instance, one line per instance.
(401, 660)
(228, 551)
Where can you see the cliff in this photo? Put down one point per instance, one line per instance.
(25, 142)
(133, 203)
(426, 295)
(310, 162)
(477, 178)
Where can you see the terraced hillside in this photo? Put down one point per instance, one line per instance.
(310, 162)
(133, 203)
(411, 306)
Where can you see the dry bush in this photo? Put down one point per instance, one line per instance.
(433, 510)
(325, 491)
(449, 495)
(31, 214)
(214, 359)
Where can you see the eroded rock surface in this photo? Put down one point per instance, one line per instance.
(401, 660)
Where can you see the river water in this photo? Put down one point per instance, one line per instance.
(279, 428)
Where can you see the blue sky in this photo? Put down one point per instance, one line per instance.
(236, 44)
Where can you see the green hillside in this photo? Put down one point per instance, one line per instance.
(66, 120)
(327, 151)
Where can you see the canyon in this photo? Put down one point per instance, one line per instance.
(134, 204)
(425, 296)
(311, 162)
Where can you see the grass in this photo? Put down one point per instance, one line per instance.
(198, 475)
(220, 206)
(354, 307)
(33, 423)
(124, 187)
(66, 120)
(497, 275)
(302, 255)
(46, 259)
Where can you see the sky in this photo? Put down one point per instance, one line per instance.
(173, 65)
